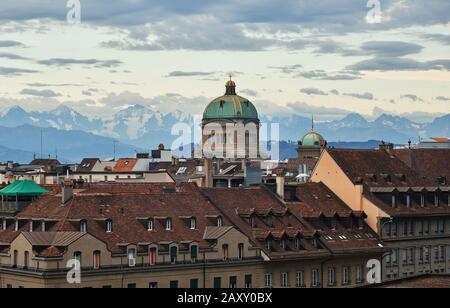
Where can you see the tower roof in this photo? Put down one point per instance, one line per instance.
(230, 106)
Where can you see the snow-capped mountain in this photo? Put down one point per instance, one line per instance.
(145, 127)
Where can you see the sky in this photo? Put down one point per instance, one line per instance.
(294, 56)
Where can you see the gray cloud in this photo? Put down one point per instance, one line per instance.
(11, 71)
(441, 38)
(334, 92)
(399, 64)
(313, 91)
(323, 75)
(249, 92)
(412, 97)
(390, 48)
(188, 74)
(44, 85)
(11, 56)
(367, 95)
(325, 112)
(287, 69)
(10, 44)
(443, 98)
(68, 62)
(42, 93)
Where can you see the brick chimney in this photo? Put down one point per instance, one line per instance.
(280, 185)
(66, 192)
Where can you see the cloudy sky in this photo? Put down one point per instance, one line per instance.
(293, 56)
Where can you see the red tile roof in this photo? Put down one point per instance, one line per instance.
(125, 165)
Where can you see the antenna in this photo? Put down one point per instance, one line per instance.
(114, 143)
(42, 154)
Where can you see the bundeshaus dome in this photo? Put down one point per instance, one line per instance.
(230, 106)
(312, 139)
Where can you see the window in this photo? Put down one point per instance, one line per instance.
(296, 243)
(15, 258)
(441, 226)
(408, 201)
(168, 224)
(107, 287)
(31, 226)
(174, 284)
(153, 285)
(96, 259)
(422, 200)
(233, 282)
(16, 226)
(269, 245)
(152, 256)
(411, 255)
(300, 280)
(394, 258)
(436, 200)
(194, 284)
(5, 225)
(77, 257)
(132, 257)
(109, 226)
(314, 278)
(194, 253)
(193, 224)
(83, 226)
(345, 275)
(268, 280)
(241, 251)
(26, 259)
(331, 276)
(393, 201)
(132, 286)
(426, 254)
(426, 226)
(173, 254)
(248, 281)
(284, 280)
(219, 221)
(225, 252)
(282, 244)
(359, 274)
(217, 282)
(150, 225)
(43, 227)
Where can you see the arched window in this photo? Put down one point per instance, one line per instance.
(26, 257)
(15, 258)
(225, 252)
(194, 253)
(77, 257)
(109, 226)
(83, 226)
(97, 259)
(173, 254)
(193, 223)
(152, 256)
(168, 224)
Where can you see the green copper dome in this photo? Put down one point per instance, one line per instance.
(312, 139)
(230, 106)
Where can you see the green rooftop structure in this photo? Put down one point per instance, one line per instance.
(18, 194)
(230, 106)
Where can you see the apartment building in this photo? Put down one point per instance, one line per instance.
(405, 194)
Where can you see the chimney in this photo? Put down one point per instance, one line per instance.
(67, 192)
(388, 147)
(280, 185)
(208, 173)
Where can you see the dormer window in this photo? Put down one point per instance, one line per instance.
(168, 224)
(282, 244)
(31, 226)
(16, 226)
(193, 223)
(422, 200)
(393, 201)
(109, 226)
(269, 221)
(436, 200)
(296, 243)
(253, 222)
(408, 201)
(219, 222)
(83, 226)
(43, 226)
(5, 225)
(150, 225)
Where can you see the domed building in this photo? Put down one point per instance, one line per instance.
(311, 144)
(230, 127)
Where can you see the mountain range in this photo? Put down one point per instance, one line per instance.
(137, 127)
